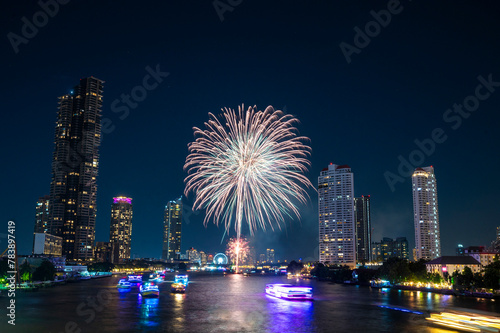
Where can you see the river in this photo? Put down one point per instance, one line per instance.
(228, 304)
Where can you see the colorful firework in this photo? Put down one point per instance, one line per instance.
(237, 250)
(248, 166)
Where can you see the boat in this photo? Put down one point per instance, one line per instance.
(178, 288)
(123, 284)
(149, 289)
(181, 279)
(135, 279)
(289, 291)
(380, 283)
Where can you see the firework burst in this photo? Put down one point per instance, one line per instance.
(248, 166)
(237, 250)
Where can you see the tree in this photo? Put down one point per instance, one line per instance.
(468, 276)
(3, 269)
(294, 267)
(101, 267)
(25, 271)
(44, 272)
(492, 275)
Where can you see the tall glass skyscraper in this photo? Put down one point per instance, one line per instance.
(72, 208)
(363, 228)
(172, 230)
(120, 231)
(425, 214)
(337, 227)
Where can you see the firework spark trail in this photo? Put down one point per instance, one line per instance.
(237, 250)
(248, 166)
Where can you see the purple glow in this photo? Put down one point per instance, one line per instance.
(122, 199)
(288, 291)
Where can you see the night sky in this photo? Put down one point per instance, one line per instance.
(366, 113)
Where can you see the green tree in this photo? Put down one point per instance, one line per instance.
(44, 272)
(467, 276)
(101, 267)
(25, 271)
(3, 269)
(492, 275)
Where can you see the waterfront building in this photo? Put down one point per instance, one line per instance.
(104, 252)
(120, 233)
(337, 227)
(41, 217)
(203, 258)
(47, 244)
(390, 248)
(481, 254)
(450, 264)
(193, 255)
(363, 228)
(75, 163)
(270, 256)
(425, 214)
(172, 230)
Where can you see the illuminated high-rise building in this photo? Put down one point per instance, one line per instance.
(337, 226)
(270, 256)
(42, 214)
(172, 230)
(75, 162)
(41, 217)
(120, 231)
(363, 228)
(425, 214)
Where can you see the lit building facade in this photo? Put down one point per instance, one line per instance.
(75, 162)
(363, 228)
(390, 248)
(120, 231)
(425, 214)
(337, 227)
(270, 255)
(172, 230)
(42, 214)
(447, 265)
(41, 217)
(104, 252)
(47, 244)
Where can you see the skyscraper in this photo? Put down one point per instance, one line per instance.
(172, 228)
(41, 217)
(363, 228)
(72, 208)
(270, 256)
(337, 227)
(120, 231)
(425, 214)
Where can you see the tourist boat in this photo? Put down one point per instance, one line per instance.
(181, 279)
(149, 289)
(135, 279)
(380, 283)
(178, 288)
(289, 291)
(123, 284)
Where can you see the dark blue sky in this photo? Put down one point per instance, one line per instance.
(364, 113)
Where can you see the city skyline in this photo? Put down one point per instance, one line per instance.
(393, 93)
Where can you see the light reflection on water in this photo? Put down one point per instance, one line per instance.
(289, 316)
(233, 304)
